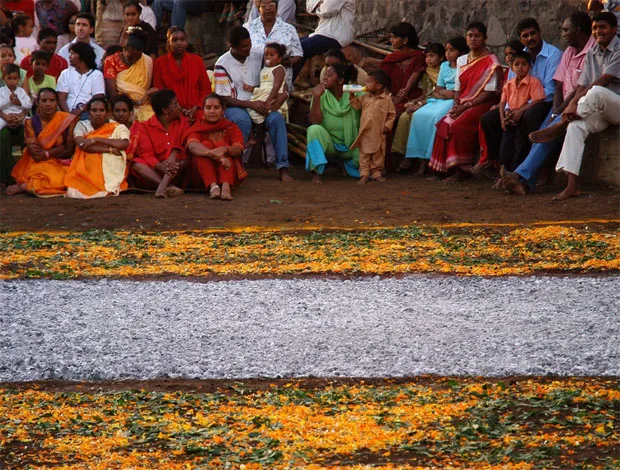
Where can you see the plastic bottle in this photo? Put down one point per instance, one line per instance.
(354, 88)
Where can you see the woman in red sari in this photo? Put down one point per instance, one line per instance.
(183, 73)
(405, 65)
(215, 145)
(478, 78)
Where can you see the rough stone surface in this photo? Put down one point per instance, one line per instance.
(601, 159)
(326, 328)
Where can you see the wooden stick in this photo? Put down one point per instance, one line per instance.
(297, 152)
(299, 135)
(372, 48)
(298, 128)
(298, 95)
(295, 141)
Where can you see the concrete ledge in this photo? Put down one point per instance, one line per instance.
(601, 158)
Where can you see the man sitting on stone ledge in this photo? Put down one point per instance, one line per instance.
(595, 106)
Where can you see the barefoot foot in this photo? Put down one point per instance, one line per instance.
(512, 182)
(285, 177)
(226, 195)
(548, 133)
(173, 191)
(15, 189)
(363, 180)
(214, 192)
(566, 194)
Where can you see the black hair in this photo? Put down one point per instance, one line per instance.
(214, 96)
(40, 55)
(7, 36)
(381, 77)
(237, 35)
(10, 68)
(136, 39)
(347, 72)
(111, 50)
(337, 53)
(86, 16)
(436, 48)
(607, 17)
(120, 98)
(522, 55)
(515, 45)
(406, 30)
(97, 99)
(174, 29)
(46, 33)
(581, 20)
(460, 44)
(527, 23)
(47, 90)
(133, 3)
(279, 48)
(478, 26)
(21, 19)
(86, 54)
(161, 99)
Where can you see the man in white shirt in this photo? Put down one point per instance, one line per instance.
(84, 28)
(336, 28)
(236, 74)
(81, 82)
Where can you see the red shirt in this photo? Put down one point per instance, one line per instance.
(20, 6)
(154, 143)
(189, 82)
(57, 65)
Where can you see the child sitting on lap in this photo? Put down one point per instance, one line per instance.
(272, 82)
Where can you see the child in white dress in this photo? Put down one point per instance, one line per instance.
(14, 101)
(272, 82)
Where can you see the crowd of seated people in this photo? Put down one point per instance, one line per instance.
(83, 121)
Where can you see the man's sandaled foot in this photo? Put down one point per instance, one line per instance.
(14, 189)
(548, 133)
(173, 191)
(363, 180)
(566, 194)
(215, 192)
(285, 176)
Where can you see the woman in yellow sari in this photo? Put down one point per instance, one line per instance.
(49, 147)
(98, 168)
(130, 72)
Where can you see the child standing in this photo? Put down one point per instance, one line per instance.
(518, 95)
(25, 41)
(378, 115)
(272, 82)
(40, 61)
(14, 101)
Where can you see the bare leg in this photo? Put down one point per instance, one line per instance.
(512, 182)
(549, 133)
(422, 168)
(316, 178)
(165, 181)
(479, 168)
(285, 177)
(570, 190)
(499, 184)
(15, 189)
(148, 174)
(226, 194)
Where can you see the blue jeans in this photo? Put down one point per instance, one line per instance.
(276, 127)
(529, 168)
(314, 45)
(179, 9)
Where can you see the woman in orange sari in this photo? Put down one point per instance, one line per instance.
(130, 72)
(49, 147)
(215, 145)
(98, 168)
(478, 75)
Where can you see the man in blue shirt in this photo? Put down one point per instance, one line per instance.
(545, 60)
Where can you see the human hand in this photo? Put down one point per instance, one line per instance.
(516, 116)
(318, 90)
(14, 99)
(225, 162)
(248, 88)
(278, 102)
(260, 107)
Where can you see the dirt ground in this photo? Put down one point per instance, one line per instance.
(263, 201)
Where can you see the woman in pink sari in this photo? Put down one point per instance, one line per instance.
(478, 80)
